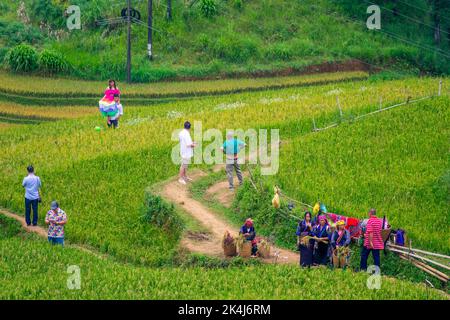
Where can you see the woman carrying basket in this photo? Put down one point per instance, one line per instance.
(340, 238)
(304, 243)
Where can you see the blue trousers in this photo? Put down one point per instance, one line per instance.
(54, 241)
(365, 255)
(28, 205)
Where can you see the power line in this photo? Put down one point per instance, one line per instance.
(407, 17)
(395, 35)
(419, 8)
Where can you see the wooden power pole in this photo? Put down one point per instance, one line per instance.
(150, 29)
(129, 41)
(169, 9)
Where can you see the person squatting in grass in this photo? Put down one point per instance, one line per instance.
(56, 219)
(231, 148)
(114, 120)
(305, 229)
(249, 233)
(32, 184)
(373, 240)
(186, 152)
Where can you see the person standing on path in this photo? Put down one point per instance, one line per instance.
(186, 152)
(56, 219)
(231, 148)
(32, 184)
(373, 241)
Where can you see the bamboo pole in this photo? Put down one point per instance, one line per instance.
(251, 178)
(413, 255)
(416, 264)
(421, 251)
(441, 274)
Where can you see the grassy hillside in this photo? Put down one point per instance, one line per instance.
(248, 37)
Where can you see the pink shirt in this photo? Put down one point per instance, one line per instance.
(374, 226)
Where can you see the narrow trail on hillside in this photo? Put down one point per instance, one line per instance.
(42, 232)
(216, 225)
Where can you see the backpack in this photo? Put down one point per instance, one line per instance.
(400, 237)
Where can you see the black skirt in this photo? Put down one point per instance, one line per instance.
(306, 255)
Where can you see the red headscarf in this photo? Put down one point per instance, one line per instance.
(323, 217)
(249, 223)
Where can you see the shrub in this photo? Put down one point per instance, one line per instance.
(161, 214)
(150, 74)
(234, 49)
(305, 48)
(208, 8)
(14, 33)
(49, 12)
(238, 4)
(279, 52)
(22, 58)
(203, 42)
(52, 62)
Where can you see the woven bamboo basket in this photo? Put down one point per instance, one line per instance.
(264, 251)
(245, 249)
(230, 250)
(339, 261)
(385, 234)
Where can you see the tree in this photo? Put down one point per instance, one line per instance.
(440, 8)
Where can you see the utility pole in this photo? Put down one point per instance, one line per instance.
(150, 29)
(129, 41)
(169, 9)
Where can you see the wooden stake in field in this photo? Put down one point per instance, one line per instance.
(339, 106)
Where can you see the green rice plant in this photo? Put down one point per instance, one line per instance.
(68, 88)
(21, 260)
(107, 172)
(393, 162)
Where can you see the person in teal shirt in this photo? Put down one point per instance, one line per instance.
(231, 148)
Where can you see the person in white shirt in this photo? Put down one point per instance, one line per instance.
(32, 184)
(114, 121)
(186, 152)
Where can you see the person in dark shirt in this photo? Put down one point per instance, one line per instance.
(321, 232)
(304, 229)
(249, 233)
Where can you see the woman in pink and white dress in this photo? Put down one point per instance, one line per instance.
(107, 105)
